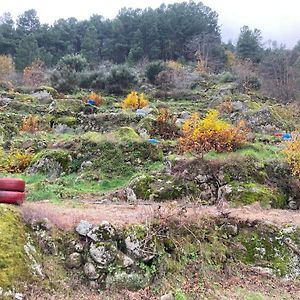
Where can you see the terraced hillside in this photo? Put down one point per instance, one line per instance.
(195, 224)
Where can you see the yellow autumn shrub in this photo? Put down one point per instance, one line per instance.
(292, 154)
(135, 101)
(15, 161)
(211, 133)
(7, 68)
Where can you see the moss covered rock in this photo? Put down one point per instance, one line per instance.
(116, 158)
(249, 193)
(129, 281)
(140, 243)
(127, 133)
(10, 124)
(50, 162)
(270, 247)
(54, 93)
(66, 120)
(105, 122)
(67, 107)
(160, 187)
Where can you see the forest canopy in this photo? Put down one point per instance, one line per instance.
(163, 33)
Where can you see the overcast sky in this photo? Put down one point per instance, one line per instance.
(277, 19)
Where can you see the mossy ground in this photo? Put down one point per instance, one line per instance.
(14, 264)
(249, 193)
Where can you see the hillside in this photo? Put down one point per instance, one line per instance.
(213, 222)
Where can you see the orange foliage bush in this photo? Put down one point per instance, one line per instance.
(30, 124)
(211, 133)
(165, 125)
(97, 98)
(226, 106)
(34, 75)
(292, 154)
(135, 101)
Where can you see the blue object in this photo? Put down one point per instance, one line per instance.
(141, 112)
(153, 141)
(286, 136)
(91, 102)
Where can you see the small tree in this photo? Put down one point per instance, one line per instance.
(165, 125)
(7, 68)
(75, 63)
(66, 76)
(34, 75)
(135, 101)
(153, 70)
(292, 155)
(279, 73)
(211, 133)
(120, 80)
(249, 44)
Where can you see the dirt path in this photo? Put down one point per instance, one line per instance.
(67, 216)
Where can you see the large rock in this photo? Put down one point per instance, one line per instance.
(84, 227)
(130, 195)
(139, 243)
(74, 260)
(168, 296)
(102, 233)
(132, 281)
(185, 115)
(127, 261)
(50, 162)
(90, 271)
(103, 253)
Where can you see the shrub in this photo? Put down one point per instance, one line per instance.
(75, 63)
(94, 80)
(252, 83)
(166, 79)
(226, 106)
(16, 161)
(30, 124)
(292, 155)
(211, 133)
(226, 77)
(153, 70)
(246, 74)
(135, 101)
(119, 80)
(7, 68)
(97, 98)
(66, 76)
(34, 74)
(165, 125)
(64, 80)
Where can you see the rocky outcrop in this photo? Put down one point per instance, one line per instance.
(113, 257)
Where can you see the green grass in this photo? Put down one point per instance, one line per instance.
(258, 150)
(40, 187)
(46, 136)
